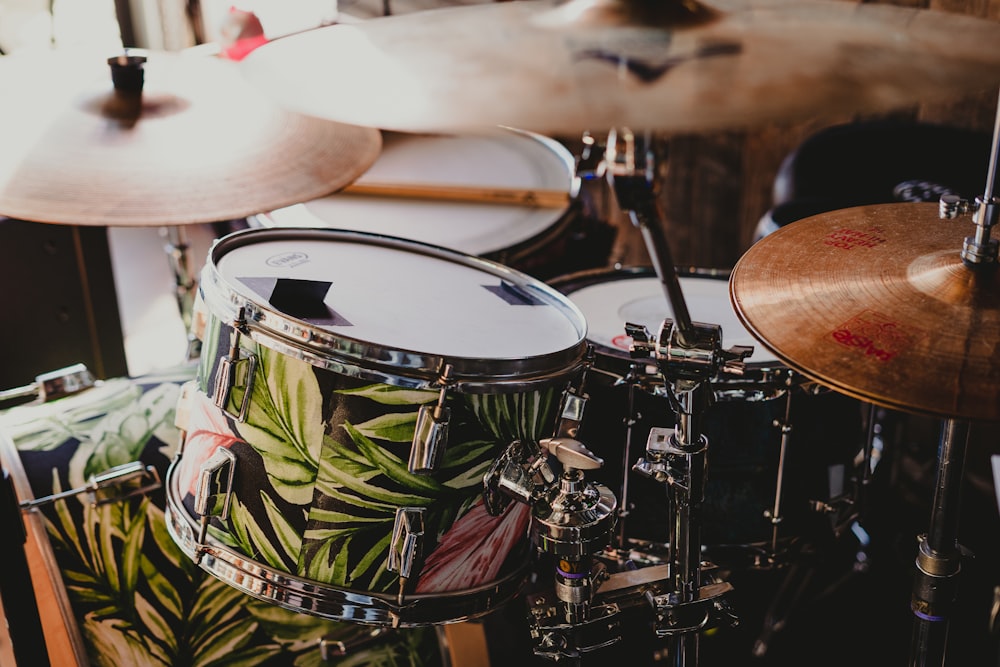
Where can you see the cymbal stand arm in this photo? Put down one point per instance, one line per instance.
(630, 167)
(939, 554)
(980, 251)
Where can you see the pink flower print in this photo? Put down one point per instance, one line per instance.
(472, 551)
(208, 429)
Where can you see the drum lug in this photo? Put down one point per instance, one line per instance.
(215, 484)
(406, 543)
(430, 436)
(574, 402)
(229, 371)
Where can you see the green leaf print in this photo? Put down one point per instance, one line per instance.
(391, 466)
(387, 394)
(285, 424)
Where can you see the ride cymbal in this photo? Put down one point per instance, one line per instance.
(876, 302)
(591, 65)
(197, 145)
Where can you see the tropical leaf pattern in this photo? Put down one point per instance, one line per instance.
(137, 598)
(322, 470)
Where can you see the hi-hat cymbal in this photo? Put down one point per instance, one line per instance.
(592, 65)
(875, 302)
(199, 145)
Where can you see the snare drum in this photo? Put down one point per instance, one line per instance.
(742, 425)
(113, 588)
(542, 240)
(353, 390)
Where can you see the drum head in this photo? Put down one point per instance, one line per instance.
(610, 299)
(381, 301)
(508, 159)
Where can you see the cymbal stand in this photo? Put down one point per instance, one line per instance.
(178, 250)
(939, 554)
(688, 355)
(128, 77)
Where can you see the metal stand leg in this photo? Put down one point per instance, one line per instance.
(939, 555)
(178, 251)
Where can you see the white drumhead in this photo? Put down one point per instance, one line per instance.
(508, 159)
(609, 304)
(400, 298)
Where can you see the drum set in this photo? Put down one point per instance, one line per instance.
(413, 405)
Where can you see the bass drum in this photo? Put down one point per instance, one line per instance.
(745, 485)
(113, 588)
(353, 390)
(545, 238)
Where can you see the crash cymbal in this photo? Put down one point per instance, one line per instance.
(198, 144)
(875, 302)
(675, 65)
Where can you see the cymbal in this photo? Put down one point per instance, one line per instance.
(593, 65)
(875, 302)
(198, 145)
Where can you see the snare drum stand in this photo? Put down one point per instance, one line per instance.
(688, 356)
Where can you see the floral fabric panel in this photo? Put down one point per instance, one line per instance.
(322, 468)
(137, 598)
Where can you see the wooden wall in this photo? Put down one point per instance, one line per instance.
(716, 187)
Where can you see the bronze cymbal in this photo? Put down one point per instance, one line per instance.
(661, 65)
(876, 302)
(198, 145)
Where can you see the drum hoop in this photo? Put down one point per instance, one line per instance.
(323, 348)
(331, 602)
(524, 248)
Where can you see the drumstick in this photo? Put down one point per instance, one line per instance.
(485, 194)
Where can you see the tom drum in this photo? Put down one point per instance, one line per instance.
(353, 390)
(744, 424)
(545, 238)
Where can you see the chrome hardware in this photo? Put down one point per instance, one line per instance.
(405, 545)
(674, 617)
(52, 385)
(521, 472)
(660, 450)
(951, 206)
(113, 485)
(571, 453)
(228, 375)
(215, 484)
(642, 345)
(734, 359)
(574, 402)
(430, 436)
(978, 250)
(211, 498)
(573, 408)
(339, 648)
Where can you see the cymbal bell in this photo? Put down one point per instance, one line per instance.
(198, 144)
(592, 65)
(875, 302)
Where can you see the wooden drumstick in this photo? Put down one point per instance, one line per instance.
(464, 193)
